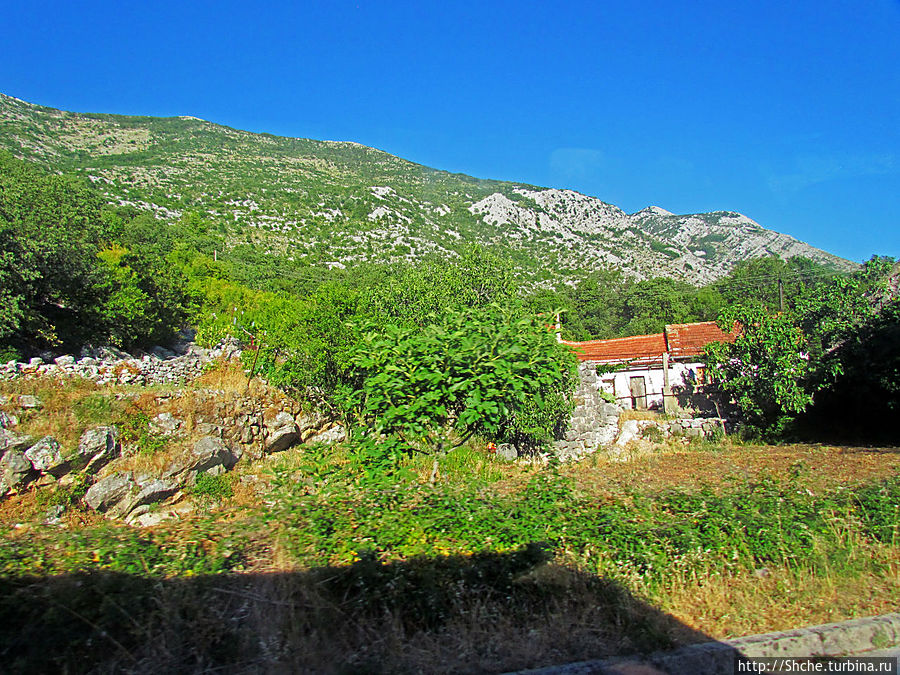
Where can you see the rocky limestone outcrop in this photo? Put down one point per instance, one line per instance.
(46, 456)
(121, 494)
(15, 471)
(10, 440)
(283, 433)
(231, 425)
(97, 447)
(25, 460)
(209, 455)
(106, 493)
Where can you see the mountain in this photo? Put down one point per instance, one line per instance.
(336, 203)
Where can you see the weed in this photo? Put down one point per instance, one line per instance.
(212, 488)
(63, 496)
(136, 433)
(93, 409)
(8, 354)
(654, 434)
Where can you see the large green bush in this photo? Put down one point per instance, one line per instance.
(828, 364)
(487, 371)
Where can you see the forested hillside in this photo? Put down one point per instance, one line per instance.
(318, 204)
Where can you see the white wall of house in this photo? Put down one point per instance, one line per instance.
(619, 383)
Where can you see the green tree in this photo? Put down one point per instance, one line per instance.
(485, 371)
(415, 295)
(598, 304)
(50, 228)
(772, 282)
(766, 371)
(651, 304)
(143, 300)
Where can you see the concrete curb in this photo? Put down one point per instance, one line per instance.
(857, 637)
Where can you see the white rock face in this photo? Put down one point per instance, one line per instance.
(652, 242)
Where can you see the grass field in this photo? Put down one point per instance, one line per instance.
(305, 561)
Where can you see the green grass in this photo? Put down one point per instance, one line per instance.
(493, 568)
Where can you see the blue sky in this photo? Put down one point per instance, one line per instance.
(788, 112)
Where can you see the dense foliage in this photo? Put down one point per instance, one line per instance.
(483, 371)
(606, 304)
(64, 278)
(827, 364)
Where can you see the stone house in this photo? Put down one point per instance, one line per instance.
(651, 370)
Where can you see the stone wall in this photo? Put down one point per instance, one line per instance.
(594, 422)
(108, 365)
(207, 432)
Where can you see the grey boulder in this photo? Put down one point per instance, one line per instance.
(46, 456)
(507, 451)
(283, 433)
(109, 492)
(282, 438)
(166, 424)
(10, 440)
(96, 448)
(28, 402)
(208, 455)
(15, 471)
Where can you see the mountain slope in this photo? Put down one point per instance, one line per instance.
(336, 203)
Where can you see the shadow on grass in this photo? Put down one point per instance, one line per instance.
(483, 613)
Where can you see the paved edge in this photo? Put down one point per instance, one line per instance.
(848, 638)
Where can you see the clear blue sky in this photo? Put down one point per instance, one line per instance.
(788, 112)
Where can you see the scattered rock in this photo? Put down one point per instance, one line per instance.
(630, 431)
(207, 454)
(54, 514)
(166, 424)
(10, 440)
(507, 451)
(96, 448)
(15, 471)
(46, 456)
(7, 420)
(149, 493)
(336, 434)
(64, 360)
(142, 516)
(107, 493)
(282, 438)
(29, 402)
(207, 429)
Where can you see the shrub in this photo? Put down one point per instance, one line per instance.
(483, 371)
(212, 488)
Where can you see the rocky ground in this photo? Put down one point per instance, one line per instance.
(162, 430)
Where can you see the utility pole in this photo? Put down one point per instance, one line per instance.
(781, 292)
(669, 406)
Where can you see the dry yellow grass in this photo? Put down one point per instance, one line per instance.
(782, 598)
(687, 467)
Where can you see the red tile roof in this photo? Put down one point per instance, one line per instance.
(689, 339)
(682, 340)
(645, 347)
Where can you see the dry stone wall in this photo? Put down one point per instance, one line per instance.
(108, 365)
(594, 422)
(206, 431)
